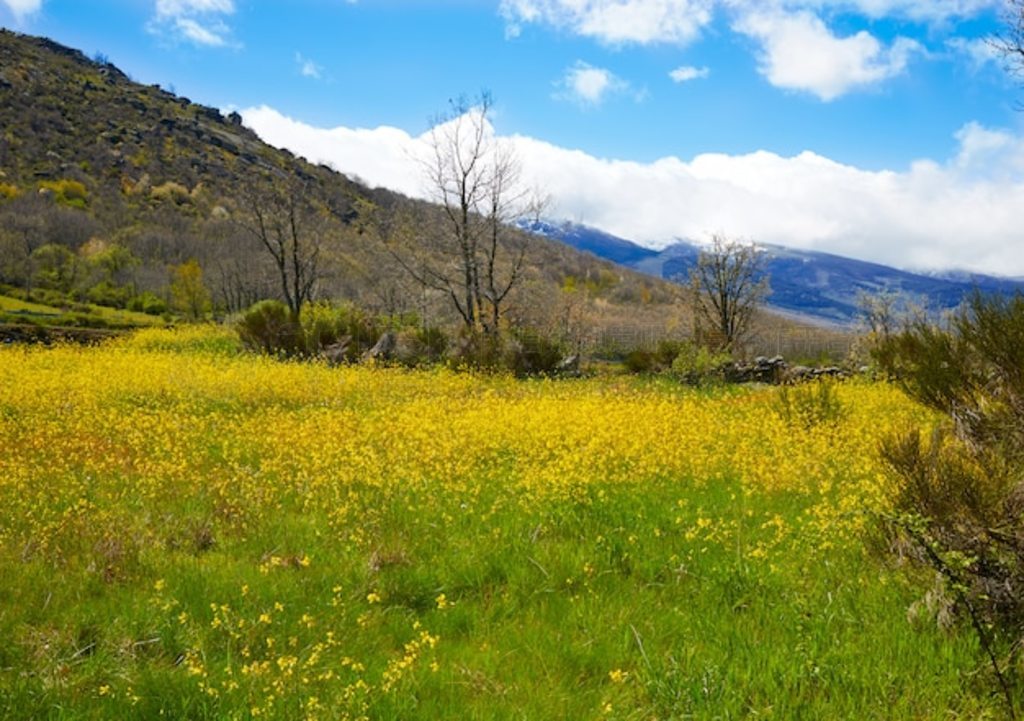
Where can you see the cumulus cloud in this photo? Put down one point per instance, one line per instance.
(797, 49)
(961, 212)
(200, 22)
(23, 8)
(615, 22)
(685, 73)
(589, 86)
(799, 52)
(618, 22)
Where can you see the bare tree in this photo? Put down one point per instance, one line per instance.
(476, 258)
(726, 287)
(280, 216)
(22, 232)
(1010, 42)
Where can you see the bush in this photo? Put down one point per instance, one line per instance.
(530, 354)
(960, 493)
(269, 327)
(416, 346)
(639, 360)
(323, 325)
(810, 404)
(479, 351)
(696, 364)
(70, 193)
(172, 192)
(108, 294)
(148, 303)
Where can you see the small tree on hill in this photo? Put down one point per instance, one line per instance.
(726, 287)
(189, 294)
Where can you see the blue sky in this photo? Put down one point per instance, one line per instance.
(791, 121)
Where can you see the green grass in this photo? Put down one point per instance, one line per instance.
(540, 618)
(15, 310)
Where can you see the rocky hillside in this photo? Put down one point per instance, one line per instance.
(92, 163)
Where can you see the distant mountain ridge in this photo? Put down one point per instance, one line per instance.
(812, 284)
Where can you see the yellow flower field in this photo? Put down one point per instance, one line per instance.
(196, 532)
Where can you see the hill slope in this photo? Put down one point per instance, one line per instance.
(91, 161)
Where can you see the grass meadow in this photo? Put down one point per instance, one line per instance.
(190, 532)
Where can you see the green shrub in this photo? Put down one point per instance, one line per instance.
(269, 327)
(67, 192)
(531, 354)
(323, 325)
(148, 303)
(57, 268)
(48, 296)
(696, 364)
(809, 404)
(639, 360)
(960, 493)
(432, 343)
(108, 294)
(416, 346)
(481, 351)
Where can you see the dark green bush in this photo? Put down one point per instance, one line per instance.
(530, 354)
(108, 294)
(640, 360)
(269, 327)
(148, 303)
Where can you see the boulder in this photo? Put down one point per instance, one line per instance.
(337, 353)
(383, 350)
(569, 366)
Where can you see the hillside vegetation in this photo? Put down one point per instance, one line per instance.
(108, 188)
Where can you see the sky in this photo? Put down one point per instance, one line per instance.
(886, 130)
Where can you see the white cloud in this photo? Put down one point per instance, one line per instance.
(212, 35)
(959, 213)
(589, 86)
(616, 22)
(308, 68)
(179, 8)
(685, 73)
(979, 52)
(23, 8)
(200, 22)
(799, 52)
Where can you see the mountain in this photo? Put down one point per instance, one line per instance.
(814, 285)
(591, 240)
(96, 166)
